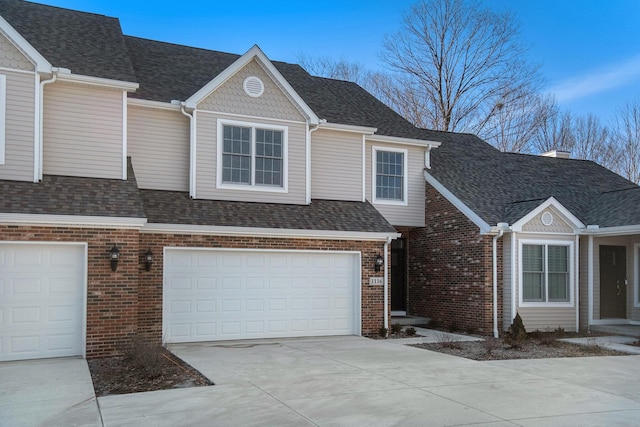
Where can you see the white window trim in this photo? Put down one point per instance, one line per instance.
(3, 117)
(636, 268)
(405, 177)
(252, 187)
(571, 263)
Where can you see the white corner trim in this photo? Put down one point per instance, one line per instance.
(36, 129)
(254, 52)
(636, 268)
(98, 81)
(550, 202)
(403, 141)
(72, 220)
(364, 169)
(286, 233)
(41, 63)
(405, 176)
(485, 228)
(590, 281)
(348, 128)
(3, 117)
(124, 136)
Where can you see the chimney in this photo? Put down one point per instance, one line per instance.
(559, 154)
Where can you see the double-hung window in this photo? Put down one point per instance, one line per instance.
(546, 273)
(252, 156)
(390, 175)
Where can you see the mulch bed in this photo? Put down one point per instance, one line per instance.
(117, 375)
(531, 349)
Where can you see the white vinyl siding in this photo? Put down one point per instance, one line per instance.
(207, 163)
(220, 294)
(548, 319)
(158, 143)
(19, 127)
(411, 214)
(336, 165)
(83, 131)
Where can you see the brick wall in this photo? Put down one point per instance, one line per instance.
(129, 300)
(112, 297)
(150, 291)
(450, 278)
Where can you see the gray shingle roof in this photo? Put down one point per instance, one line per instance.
(85, 43)
(503, 187)
(173, 207)
(67, 195)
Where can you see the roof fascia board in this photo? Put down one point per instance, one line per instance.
(137, 102)
(551, 201)
(485, 228)
(41, 63)
(404, 141)
(98, 81)
(72, 220)
(348, 128)
(254, 52)
(267, 232)
(611, 231)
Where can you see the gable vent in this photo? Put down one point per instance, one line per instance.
(547, 218)
(253, 86)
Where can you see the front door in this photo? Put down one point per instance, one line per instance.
(398, 275)
(613, 282)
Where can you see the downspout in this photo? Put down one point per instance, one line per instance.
(386, 284)
(39, 151)
(308, 161)
(577, 281)
(501, 227)
(590, 279)
(192, 149)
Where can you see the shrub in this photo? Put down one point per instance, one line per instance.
(433, 324)
(453, 327)
(491, 344)
(517, 334)
(383, 332)
(396, 328)
(447, 341)
(144, 356)
(410, 331)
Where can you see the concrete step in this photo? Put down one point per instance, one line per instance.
(409, 320)
(624, 330)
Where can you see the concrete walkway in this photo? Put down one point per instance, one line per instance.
(358, 381)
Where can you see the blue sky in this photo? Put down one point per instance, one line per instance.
(589, 50)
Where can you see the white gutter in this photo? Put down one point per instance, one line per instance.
(308, 161)
(39, 149)
(594, 230)
(502, 226)
(386, 284)
(192, 148)
(403, 141)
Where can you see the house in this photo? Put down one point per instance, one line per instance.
(191, 195)
(186, 194)
(554, 239)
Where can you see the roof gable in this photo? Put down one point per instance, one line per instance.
(252, 54)
(550, 206)
(40, 62)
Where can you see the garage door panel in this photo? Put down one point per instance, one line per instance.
(260, 295)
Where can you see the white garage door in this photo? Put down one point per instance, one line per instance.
(41, 300)
(223, 295)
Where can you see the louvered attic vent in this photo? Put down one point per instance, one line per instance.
(253, 86)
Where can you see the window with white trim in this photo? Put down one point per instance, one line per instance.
(546, 273)
(251, 156)
(3, 113)
(390, 175)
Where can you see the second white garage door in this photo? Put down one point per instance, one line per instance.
(224, 294)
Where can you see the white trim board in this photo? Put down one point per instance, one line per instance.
(72, 220)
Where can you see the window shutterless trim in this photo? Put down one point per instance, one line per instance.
(570, 261)
(252, 186)
(374, 173)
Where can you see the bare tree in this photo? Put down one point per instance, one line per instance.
(593, 141)
(458, 58)
(341, 69)
(627, 138)
(555, 131)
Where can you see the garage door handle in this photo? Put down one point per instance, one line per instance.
(618, 288)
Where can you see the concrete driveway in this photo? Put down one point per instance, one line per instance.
(47, 392)
(358, 381)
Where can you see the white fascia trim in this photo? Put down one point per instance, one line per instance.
(266, 232)
(551, 201)
(41, 63)
(473, 217)
(403, 141)
(72, 220)
(348, 128)
(137, 102)
(254, 52)
(612, 231)
(98, 81)
(244, 117)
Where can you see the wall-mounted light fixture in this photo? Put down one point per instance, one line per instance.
(148, 259)
(114, 256)
(379, 262)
